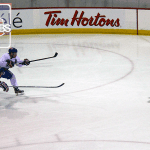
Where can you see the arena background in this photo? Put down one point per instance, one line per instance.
(104, 103)
(78, 3)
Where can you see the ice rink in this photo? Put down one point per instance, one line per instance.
(102, 106)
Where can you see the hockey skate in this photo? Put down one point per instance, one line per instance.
(17, 91)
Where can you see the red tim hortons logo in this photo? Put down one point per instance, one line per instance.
(98, 20)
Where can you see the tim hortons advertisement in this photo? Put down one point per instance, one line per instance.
(70, 18)
(80, 20)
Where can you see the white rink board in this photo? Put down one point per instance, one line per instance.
(130, 19)
(24, 19)
(35, 18)
(144, 20)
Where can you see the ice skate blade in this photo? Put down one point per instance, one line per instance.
(19, 94)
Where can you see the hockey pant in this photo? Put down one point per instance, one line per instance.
(9, 75)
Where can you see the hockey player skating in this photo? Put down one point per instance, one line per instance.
(8, 60)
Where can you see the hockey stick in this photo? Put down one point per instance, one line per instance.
(41, 86)
(43, 58)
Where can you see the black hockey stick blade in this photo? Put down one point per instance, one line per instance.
(55, 54)
(41, 86)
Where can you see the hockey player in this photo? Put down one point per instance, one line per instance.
(8, 60)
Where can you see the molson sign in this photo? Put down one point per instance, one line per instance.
(5, 27)
(80, 19)
(1, 26)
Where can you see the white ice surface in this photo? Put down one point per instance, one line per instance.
(102, 106)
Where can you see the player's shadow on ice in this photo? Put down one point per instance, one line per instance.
(13, 114)
(8, 102)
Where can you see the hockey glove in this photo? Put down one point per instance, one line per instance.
(4, 86)
(26, 62)
(10, 63)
